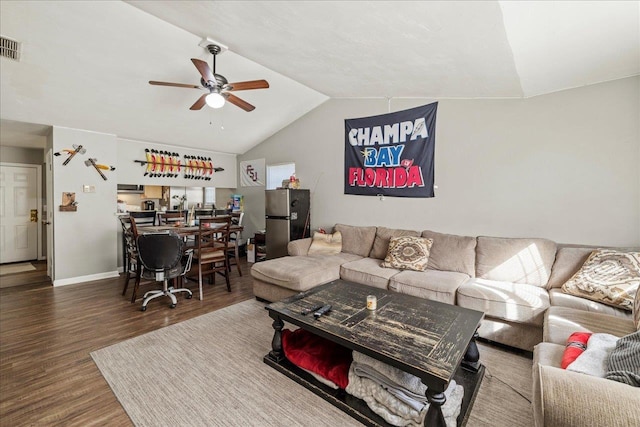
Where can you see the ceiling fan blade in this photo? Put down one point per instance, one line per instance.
(199, 103)
(252, 84)
(204, 70)
(239, 102)
(152, 82)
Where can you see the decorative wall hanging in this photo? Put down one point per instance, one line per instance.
(98, 167)
(160, 164)
(391, 154)
(69, 203)
(71, 153)
(165, 164)
(252, 173)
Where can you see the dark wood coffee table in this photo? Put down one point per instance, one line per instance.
(431, 340)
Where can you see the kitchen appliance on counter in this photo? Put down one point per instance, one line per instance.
(288, 218)
(148, 205)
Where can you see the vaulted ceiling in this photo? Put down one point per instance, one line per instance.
(87, 65)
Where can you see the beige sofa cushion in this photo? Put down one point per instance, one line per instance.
(559, 298)
(368, 272)
(514, 302)
(560, 322)
(429, 284)
(356, 240)
(515, 260)
(568, 262)
(572, 399)
(452, 253)
(608, 276)
(383, 235)
(300, 273)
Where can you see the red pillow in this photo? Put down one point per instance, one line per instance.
(318, 355)
(576, 345)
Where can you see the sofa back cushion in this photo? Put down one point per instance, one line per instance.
(516, 260)
(356, 240)
(381, 242)
(568, 262)
(452, 253)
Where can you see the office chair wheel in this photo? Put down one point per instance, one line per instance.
(172, 306)
(144, 308)
(189, 296)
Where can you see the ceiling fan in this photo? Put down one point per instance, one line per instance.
(217, 85)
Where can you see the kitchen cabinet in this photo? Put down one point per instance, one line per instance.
(152, 192)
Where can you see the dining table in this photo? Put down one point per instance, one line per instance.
(187, 231)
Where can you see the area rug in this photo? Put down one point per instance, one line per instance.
(209, 371)
(16, 268)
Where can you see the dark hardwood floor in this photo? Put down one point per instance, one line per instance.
(47, 376)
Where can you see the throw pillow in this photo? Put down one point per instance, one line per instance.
(408, 253)
(636, 309)
(576, 345)
(607, 276)
(326, 244)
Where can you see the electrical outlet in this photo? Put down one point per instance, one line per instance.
(88, 188)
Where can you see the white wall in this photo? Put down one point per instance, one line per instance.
(84, 241)
(130, 172)
(562, 166)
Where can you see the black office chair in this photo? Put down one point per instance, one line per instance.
(161, 256)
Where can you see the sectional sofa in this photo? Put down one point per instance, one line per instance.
(512, 280)
(516, 282)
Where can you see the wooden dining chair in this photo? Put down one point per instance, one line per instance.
(144, 217)
(234, 241)
(170, 218)
(131, 261)
(133, 235)
(211, 249)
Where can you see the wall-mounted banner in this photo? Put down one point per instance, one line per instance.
(252, 173)
(391, 154)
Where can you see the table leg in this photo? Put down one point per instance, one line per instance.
(276, 343)
(471, 359)
(434, 415)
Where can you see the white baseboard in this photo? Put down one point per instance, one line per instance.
(88, 278)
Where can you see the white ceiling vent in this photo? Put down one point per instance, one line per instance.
(9, 48)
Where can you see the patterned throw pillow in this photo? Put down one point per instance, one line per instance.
(408, 253)
(607, 276)
(326, 244)
(636, 309)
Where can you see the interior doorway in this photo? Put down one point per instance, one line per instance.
(20, 195)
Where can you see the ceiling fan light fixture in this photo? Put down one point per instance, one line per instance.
(215, 100)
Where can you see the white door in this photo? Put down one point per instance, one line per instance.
(18, 197)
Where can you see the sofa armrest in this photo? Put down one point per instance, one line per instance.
(574, 399)
(299, 247)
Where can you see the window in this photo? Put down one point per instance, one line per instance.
(278, 173)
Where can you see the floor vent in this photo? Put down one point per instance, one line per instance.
(9, 48)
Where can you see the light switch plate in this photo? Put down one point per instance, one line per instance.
(88, 188)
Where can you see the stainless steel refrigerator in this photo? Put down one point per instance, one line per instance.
(287, 213)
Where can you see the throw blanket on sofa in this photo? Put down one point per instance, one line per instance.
(623, 364)
(395, 395)
(592, 361)
(316, 354)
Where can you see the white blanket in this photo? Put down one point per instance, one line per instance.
(399, 397)
(593, 360)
